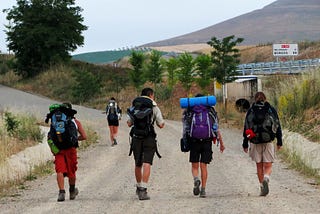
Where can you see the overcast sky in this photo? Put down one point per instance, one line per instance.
(127, 23)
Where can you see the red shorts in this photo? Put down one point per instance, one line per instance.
(66, 162)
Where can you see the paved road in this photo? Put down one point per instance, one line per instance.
(106, 179)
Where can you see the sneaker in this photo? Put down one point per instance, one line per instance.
(142, 194)
(196, 187)
(203, 192)
(115, 142)
(265, 187)
(62, 195)
(74, 194)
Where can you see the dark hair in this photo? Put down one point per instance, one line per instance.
(199, 95)
(260, 97)
(147, 92)
(112, 98)
(68, 105)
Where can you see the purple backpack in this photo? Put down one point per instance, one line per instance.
(201, 124)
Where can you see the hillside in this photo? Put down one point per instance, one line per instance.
(281, 21)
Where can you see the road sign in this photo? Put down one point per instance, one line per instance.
(285, 50)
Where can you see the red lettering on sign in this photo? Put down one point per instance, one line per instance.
(285, 46)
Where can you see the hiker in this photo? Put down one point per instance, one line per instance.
(142, 116)
(113, 113)
(200, 142)
(260, 128)
(65, 145)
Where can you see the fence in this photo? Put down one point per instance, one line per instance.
(288, 67)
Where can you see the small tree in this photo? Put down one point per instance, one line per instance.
(43, 32)
(204, 71)
(171, 65)
(225, 58)
(154, 69)
(136, 74)
(186, 71)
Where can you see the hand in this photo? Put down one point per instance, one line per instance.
(245, 150)
(222, 147)
(278, 147)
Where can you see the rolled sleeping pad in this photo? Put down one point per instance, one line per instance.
(194, 101)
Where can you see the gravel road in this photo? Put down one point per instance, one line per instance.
(106, 176)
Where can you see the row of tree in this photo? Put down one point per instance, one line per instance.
(202, 69)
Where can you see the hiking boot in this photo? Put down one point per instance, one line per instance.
(62, 195)
(196, 187)
(265, 187)
(203, 192)
(74, 194)
(115, 142)
(142, 194)
(138, 190)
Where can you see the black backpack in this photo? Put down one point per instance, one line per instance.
(263, 122)
(141, 113)
(112, 111)
(63, 130)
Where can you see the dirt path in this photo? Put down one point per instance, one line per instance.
(106, 180)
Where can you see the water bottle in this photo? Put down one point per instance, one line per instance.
(215, 133)
(59, 137)
(215, 127)
(54, 149)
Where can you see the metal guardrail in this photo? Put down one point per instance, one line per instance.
(288, 67)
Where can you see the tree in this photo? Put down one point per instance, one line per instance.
(204, 71)
(42, 32)
(86, 87)
(186, 71)
(154, 69)
(136, 74)
(171, 66)
(225, 58)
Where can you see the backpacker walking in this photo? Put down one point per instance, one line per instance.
(261, 127)
(201, 129)
(63, 141)
(113, 113)
(143, 113)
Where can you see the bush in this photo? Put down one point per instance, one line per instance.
(11, 123)
(23, 127)
(87, 86)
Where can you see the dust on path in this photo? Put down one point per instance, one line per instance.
(106, 177)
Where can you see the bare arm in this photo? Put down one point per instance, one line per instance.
(82, 133)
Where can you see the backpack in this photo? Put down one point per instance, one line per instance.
(141, 113)
(63, 129)
(200, 122)
(112, 111)
(263, 121)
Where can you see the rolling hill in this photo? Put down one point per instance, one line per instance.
(282, 21)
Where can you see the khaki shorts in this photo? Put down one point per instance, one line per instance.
(263, 152)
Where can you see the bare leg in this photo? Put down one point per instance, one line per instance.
(260, 172)
(195, 169)
(60, 180)
(146, 172)
(138, 174)
(204, 174)
(267, 168)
